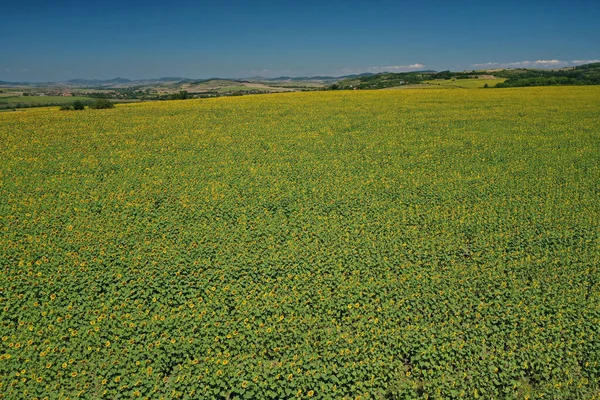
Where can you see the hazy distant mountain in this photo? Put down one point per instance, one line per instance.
(5, 83)
(123, 82)
(312, 78)
(587, 74)
(171, 79)
(97, 82)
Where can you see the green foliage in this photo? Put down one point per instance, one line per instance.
(443, 75)
(464, 83)
(7, 102)
(182, 95)
(388, 79)
(588, 74)
(102, 104)
(380, 81)
(66, 107)
(78, 105)
(396, 244)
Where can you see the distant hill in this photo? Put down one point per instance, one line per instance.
(326, 79)
(123, 82)
(588, 74)
(5, 83)
(382, 80)
(97, 82)
(213, 82)
(172, 79)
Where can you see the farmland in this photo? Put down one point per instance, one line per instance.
(343, 244)
(33, 101)
(465, 83)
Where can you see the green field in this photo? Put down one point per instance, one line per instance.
(227, 86)
(465, 83)
(237, 89)
(13, 101)
(332, 245)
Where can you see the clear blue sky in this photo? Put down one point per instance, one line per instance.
(58, 40)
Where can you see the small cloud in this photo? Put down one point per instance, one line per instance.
(534, 64)
(524, 64)
(581, 62)
(7, 69)
(485, 65)
(551, 63)
(389, 68)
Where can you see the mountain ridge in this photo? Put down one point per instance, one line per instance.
(365, 79)
(124, 81)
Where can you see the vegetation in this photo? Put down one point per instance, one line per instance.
(102, 104)
(120, 94)
(588, 74)
(9, 102)
(96, 105)
(380, 81)
(182, 95)
(465, 83)
(399, 244)
(388, 79)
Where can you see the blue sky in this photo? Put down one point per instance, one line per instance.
(59, 40)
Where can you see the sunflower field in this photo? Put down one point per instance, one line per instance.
(332, 245)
